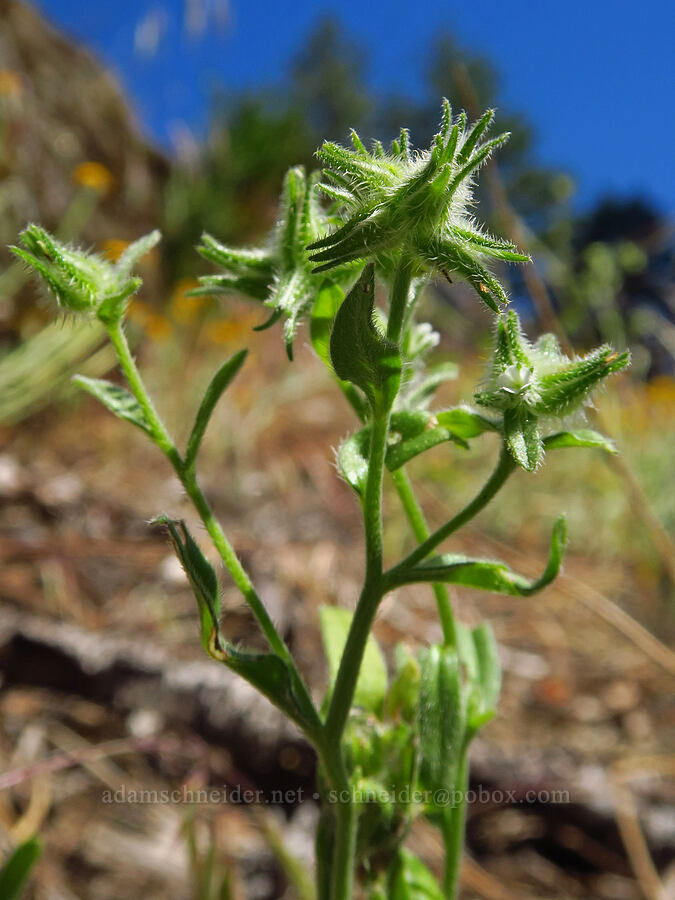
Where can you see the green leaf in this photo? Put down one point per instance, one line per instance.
(409, 879)
(399, 454)
(352, 457)
(478, 652)
(488, 575)
(326, 305)
(403, 694)
(371, 686)
(15, 872)
(202, 578)
(583, 437)
(521, 432)
(442, 718)
(267, 672)
(359, 352)
(118, 400)
(214, 392)
(409, 423)
(464, 423)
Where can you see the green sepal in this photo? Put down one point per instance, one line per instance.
(583, 437)
(409, 879)
(485, 574)
(117, 399)
(521, 433)
(16, 870)
(358, 352)
(135, 251)
(114, 306)
(442, 719)
(218, 384)
(371, 686)
(267, 672)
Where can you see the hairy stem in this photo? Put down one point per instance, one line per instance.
(371, 594)
(454, 820)
(415, 516)
(501, 472)
(366, 609)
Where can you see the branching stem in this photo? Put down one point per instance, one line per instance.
(188, 479)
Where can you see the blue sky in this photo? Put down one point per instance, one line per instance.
(595, 77)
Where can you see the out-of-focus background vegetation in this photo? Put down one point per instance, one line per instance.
(98, 647)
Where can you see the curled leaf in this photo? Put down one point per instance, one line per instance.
(485, 574)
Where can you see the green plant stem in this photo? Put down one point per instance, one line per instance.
(371, 594)
(501, 472)
(454, 821)
(415, 516)
(188, 480)
(342, 874)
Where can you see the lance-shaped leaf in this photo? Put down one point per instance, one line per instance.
(267, 672)
(359, 352)
(485, 574)
(582, 437)
(442, 718)
(118, 400)
(16, 870)
(371, 686)
(409, 879)
(219, 383)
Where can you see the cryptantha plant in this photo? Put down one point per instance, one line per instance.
(392, 746)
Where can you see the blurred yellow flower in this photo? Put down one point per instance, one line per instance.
(227, 331)
(94, 175)
(158, 328)
(10, 84)
(185, 310)
(661, 394)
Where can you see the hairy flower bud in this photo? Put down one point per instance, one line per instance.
(83, 282)
(415, 205)
(528, 382)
